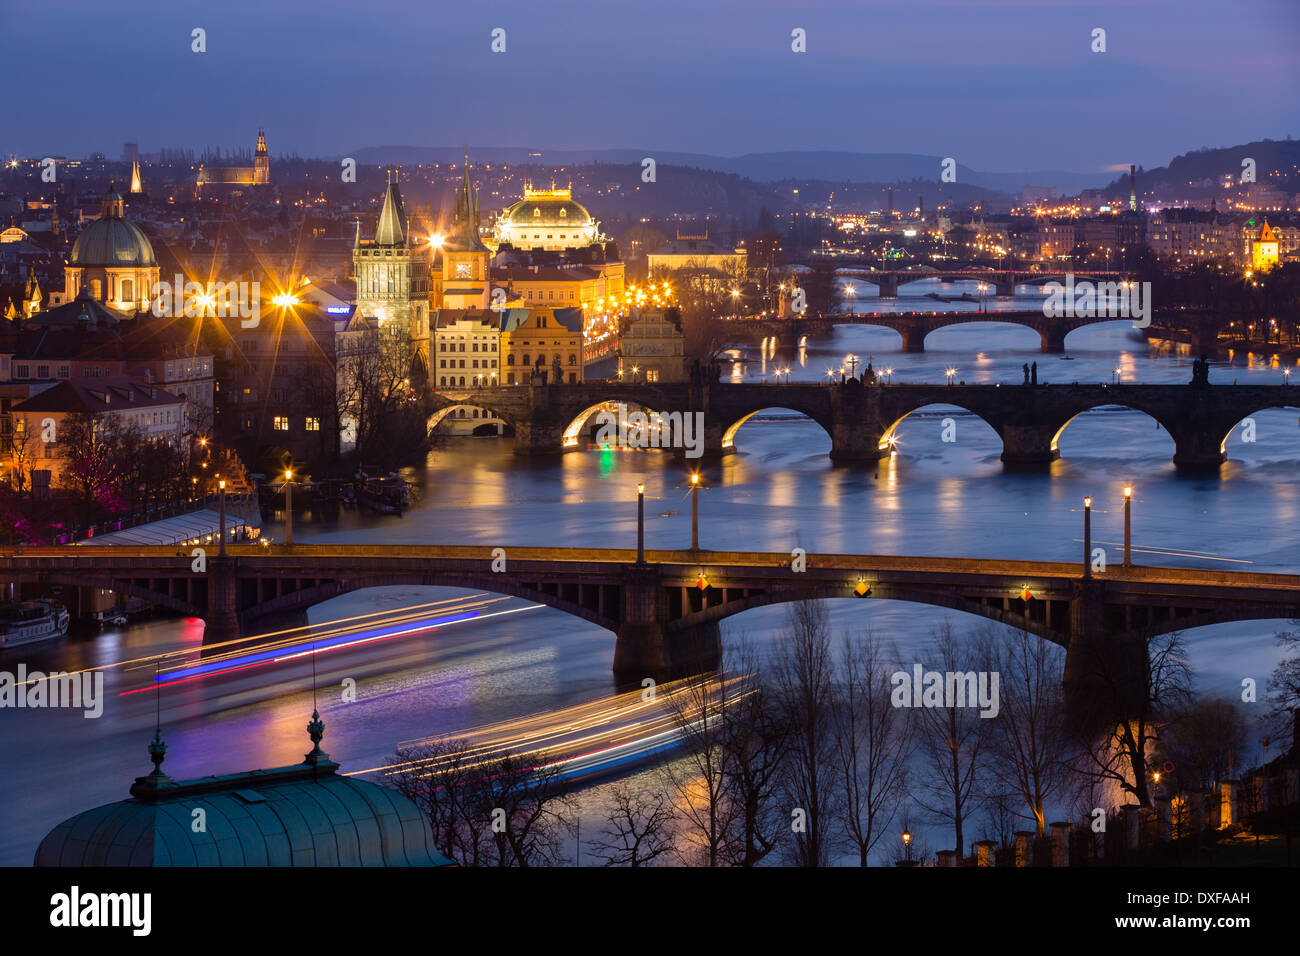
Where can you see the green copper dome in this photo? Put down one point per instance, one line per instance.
(112, 240)
(548, 212)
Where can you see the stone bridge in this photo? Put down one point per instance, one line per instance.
(1003, 281)
(665, 610)
(862, 420)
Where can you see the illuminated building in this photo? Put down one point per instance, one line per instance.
(696, 252)
(547, 219)
(112, 260)
(392, 279)
(259, 174)
(464, 280)
(467, 347)
(651, 347)
(137, 187)
(535, 343)
(1264, 250)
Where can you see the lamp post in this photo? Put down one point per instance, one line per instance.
(695, 511)
(1128, 526)
(288, 506)
(221, 521)
(951, 373)
(640, 524)
(907, 844)
(1087, 537)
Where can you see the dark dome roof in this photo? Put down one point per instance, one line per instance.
(300, 815)
(111, 243)
(548, 212)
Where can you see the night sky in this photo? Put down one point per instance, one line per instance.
(997, 84)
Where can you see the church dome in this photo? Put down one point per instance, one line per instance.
(540, 209)
(112, 241)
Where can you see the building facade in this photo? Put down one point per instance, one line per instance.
(541, 346)
(652, 348)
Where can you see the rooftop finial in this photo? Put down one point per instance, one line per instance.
(157, 752)
(316, 730)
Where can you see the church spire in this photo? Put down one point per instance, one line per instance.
(391, 230)
(136, 186)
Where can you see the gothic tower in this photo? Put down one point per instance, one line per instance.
(392, 275)
(261, 161)
(466, 262)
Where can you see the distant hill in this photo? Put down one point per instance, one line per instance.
(1220, 162)
(823, 165)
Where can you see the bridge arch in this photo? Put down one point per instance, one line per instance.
(1292, 404)
(571, 437)
(449, 411)
(729, 433)
(1130, 405)
(889, 437)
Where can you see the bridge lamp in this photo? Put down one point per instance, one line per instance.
(1087, 536)
(695, 512)
(1128, 526)
(640, 523)
(907, 844)
(862, 589)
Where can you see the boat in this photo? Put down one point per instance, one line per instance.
(25, 622)
(386, 495)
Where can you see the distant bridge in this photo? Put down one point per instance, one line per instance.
(1003, 281)
(665, 611)
(863, 420)
(913, 327)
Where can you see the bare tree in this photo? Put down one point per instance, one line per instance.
(1203, 741)
(1284, 688)
(873, 742)
(699, 781)
(1030, 751)
(755, 743)
(805, 695)
(638, 827)
(952, 742)
(1136, 707)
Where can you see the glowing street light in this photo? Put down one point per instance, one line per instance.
(640, 523)
(695, 511)
(1128, 526)
(950, 373)
(1087, 537)
(288, 506)
(221, 522)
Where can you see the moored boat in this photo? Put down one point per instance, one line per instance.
(24, 622)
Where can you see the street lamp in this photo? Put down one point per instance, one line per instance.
(951, 373)
(907, 844)
(221, 523)
(1115, 377)
(889, 372)
(1087, 537)
(640, 523)
(288, 506)
(695, 511)
(1128, 537)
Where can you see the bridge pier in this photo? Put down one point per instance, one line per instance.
(1029, 444)
(1106, 673)
(913, 339)
(888, 285)
(221, 622)
(1198, 450)
(1052, 338)
(645, 647)
(853, 441)
(1006, 287)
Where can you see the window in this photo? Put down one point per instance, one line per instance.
(464, 270)
(280, 423)
(510, 360)
(21, 371)
(510, 377)
(652, 375)
(312, 424)
(462, 363)
(573, 359)
(42, 371)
